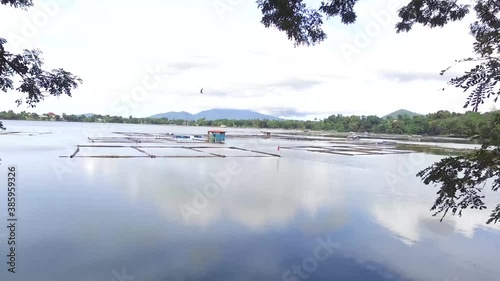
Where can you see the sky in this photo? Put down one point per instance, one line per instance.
(146, 57)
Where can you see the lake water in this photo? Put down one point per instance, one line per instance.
(305, 216)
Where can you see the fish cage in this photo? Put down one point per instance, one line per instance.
(24, 133)
(128, 137)
(349, 150)
(163, 151)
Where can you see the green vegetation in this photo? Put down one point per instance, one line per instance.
(461, 179)
(35, 82)
(441, 123)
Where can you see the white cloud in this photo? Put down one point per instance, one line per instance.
(110, 45)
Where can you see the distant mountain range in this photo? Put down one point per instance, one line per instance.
(216, 114)
(237, 114)
(402, 112)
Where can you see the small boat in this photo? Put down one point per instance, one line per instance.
(198, 137)
(182, 137)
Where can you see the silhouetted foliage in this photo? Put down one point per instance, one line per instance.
(432, 13)
(34, 81)
(18, 3)
(462, 180)
(303, 25)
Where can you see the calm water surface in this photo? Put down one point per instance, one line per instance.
(305, 216)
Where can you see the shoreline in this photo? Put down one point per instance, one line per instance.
(304, 135)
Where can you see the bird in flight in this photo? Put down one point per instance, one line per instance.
(201, 91)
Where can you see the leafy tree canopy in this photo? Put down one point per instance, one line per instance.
(303, 25)
(459, 178)
(34, 81)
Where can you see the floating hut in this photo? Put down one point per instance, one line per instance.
(216, 136)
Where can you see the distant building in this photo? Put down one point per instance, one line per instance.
(51, 116)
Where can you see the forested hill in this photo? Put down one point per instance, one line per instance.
(216, 114)
(402, 112)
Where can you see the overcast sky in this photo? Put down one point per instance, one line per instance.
(145, 57)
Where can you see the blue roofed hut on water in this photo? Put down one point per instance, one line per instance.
(216, 136)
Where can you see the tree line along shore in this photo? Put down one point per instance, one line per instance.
(469, 125)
